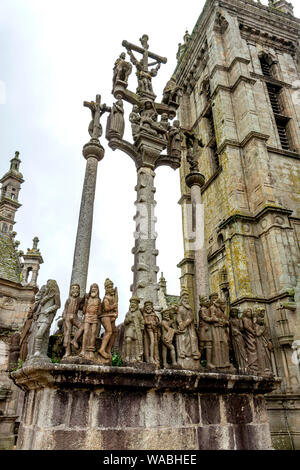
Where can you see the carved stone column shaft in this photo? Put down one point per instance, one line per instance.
(145, 269)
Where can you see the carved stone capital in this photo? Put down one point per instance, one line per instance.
(150, 148)
(195, 179)
(93, 149)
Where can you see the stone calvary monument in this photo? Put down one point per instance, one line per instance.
(190, 378)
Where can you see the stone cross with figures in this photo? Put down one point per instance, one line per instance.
(151, 136)
(93, 152)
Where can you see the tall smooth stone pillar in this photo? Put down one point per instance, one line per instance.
(195, 181)
(93, 152)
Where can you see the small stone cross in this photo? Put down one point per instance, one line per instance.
(97, 109)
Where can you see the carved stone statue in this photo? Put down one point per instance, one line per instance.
(168, 332)
(164, 126)
(91, 311)
(205, 330)
(149, 119)
(70, 316)
(133, 334)
(181, 49)
(121, 71)
(145, 70)
(135, 119)
(108, 318)
(151, 333)
(192, 145)
(264, 345)
(172, 92)
(115, 122)
(192, 160)
(175, 139)
(187, 342)
(220, 333)
(250, 341)
(56, 349)
(48, 306)
(25, 334)
(238, 343)
(28, 332)
(144, 76)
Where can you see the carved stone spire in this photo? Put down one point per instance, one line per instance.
(11, 185)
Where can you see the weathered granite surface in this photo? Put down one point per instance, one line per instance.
(116, 408)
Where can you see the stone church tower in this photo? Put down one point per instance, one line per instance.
(18, 286)
(240, 74)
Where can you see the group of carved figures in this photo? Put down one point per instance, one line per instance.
(144, 117)
(96, 313)
(145, 120)
(172, 338)
(122, 70)
(176, 340)
(251, 341)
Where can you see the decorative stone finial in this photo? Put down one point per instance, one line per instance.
(163, 283)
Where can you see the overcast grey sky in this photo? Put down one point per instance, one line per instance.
(56, 54)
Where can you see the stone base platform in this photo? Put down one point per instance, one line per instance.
(87, 407)
(7, 435)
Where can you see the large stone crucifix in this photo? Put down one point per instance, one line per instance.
(144, 73)
(151, 136)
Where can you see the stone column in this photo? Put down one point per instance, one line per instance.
(145, 270)
(93, 152)
(195, 181)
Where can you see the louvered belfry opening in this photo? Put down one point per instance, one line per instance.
(274, 95)
(266, 68)
(210, 117)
